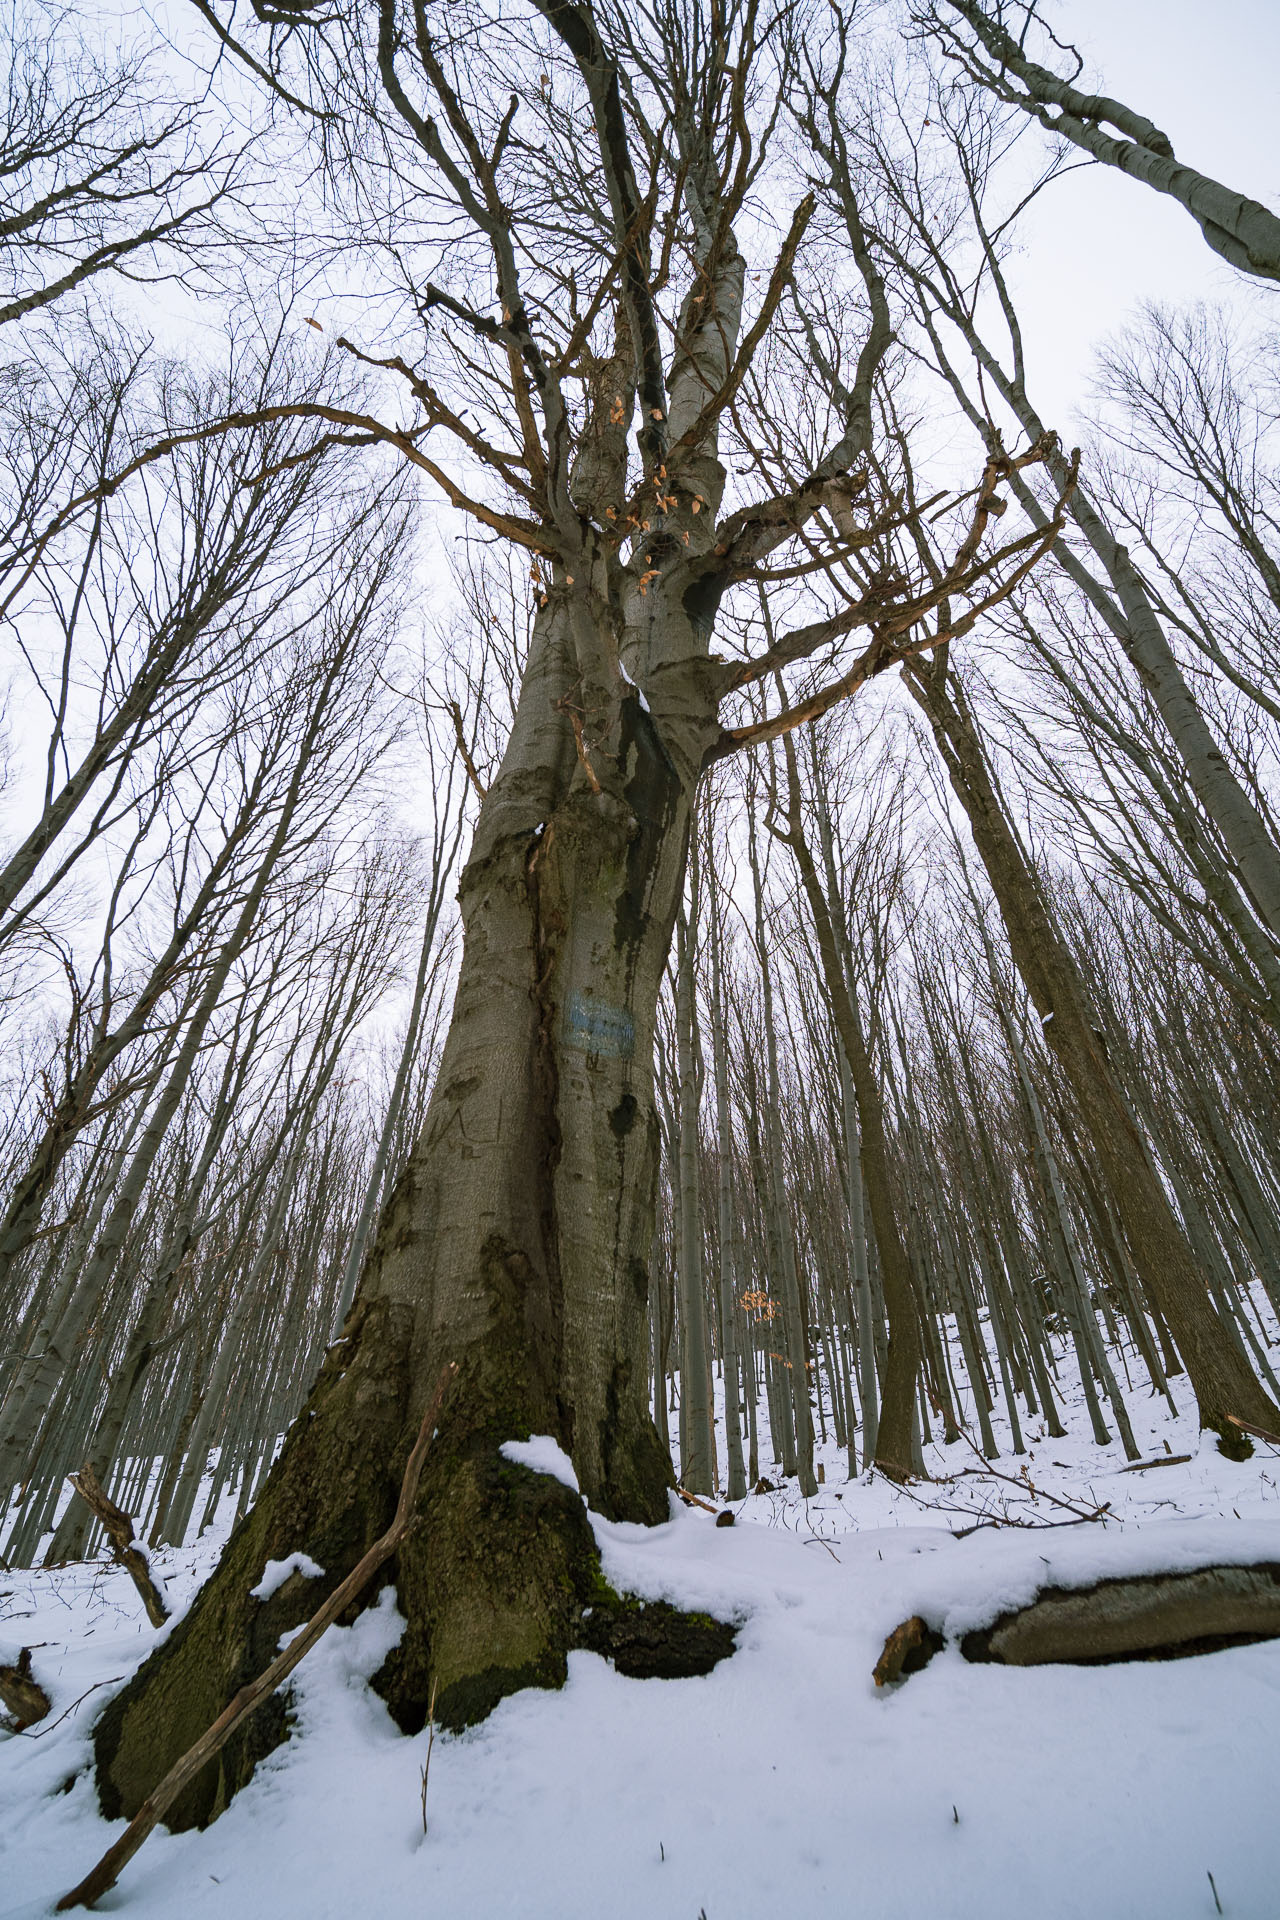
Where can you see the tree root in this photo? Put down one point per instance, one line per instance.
(499, 1580)
(153, 1809)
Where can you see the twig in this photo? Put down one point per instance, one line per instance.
(455, 714)
(431, 1740)
(1033, 1526)
(1259, 1433)
(988, 1472)
(68, 1710)
(1004, 1518)
(1161, 1460)
(161, 1797)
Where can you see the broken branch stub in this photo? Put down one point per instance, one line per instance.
(908, 1648)
(22, 1693)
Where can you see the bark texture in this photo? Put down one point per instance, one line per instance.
(1220, 1375)
(516, 1245)
(1159, 1616)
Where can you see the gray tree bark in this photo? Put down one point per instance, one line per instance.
(1239, 229)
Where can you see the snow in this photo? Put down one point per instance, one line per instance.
(782, 1783)
(640, 693)
(542, 1454)
(276, 1572)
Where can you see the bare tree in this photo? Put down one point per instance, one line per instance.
(587, 351)
(104, 169)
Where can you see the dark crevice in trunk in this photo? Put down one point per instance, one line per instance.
(545, 1147)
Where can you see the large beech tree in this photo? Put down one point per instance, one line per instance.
(599, 299)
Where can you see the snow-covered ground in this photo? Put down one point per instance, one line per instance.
(782, 1784)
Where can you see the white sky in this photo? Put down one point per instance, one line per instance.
(1208, 73)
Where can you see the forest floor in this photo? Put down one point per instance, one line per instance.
(782, 1784)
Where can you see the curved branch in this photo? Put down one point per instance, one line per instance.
(887, 648)
(1241, 230)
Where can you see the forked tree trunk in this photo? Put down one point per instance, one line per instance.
(516, 1244)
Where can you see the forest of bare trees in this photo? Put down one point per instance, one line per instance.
(594, 792)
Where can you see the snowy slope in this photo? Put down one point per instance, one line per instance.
(781, 1784)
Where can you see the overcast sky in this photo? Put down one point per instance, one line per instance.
(1208, 73)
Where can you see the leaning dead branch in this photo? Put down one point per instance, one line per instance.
(118, 1528)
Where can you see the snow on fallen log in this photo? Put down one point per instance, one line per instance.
(1155, 1616)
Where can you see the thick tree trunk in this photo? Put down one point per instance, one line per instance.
(516, 1245)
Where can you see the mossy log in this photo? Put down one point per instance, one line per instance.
(1161, 1616)
(1156, 1616)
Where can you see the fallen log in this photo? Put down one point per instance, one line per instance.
(1160, 1616)
(1155, 1616)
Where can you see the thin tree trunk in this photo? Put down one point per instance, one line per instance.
(1223, 1383)
(895, 1433)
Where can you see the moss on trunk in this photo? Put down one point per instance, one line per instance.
(333, 1491)
(516, 1247)
(499, 1581)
